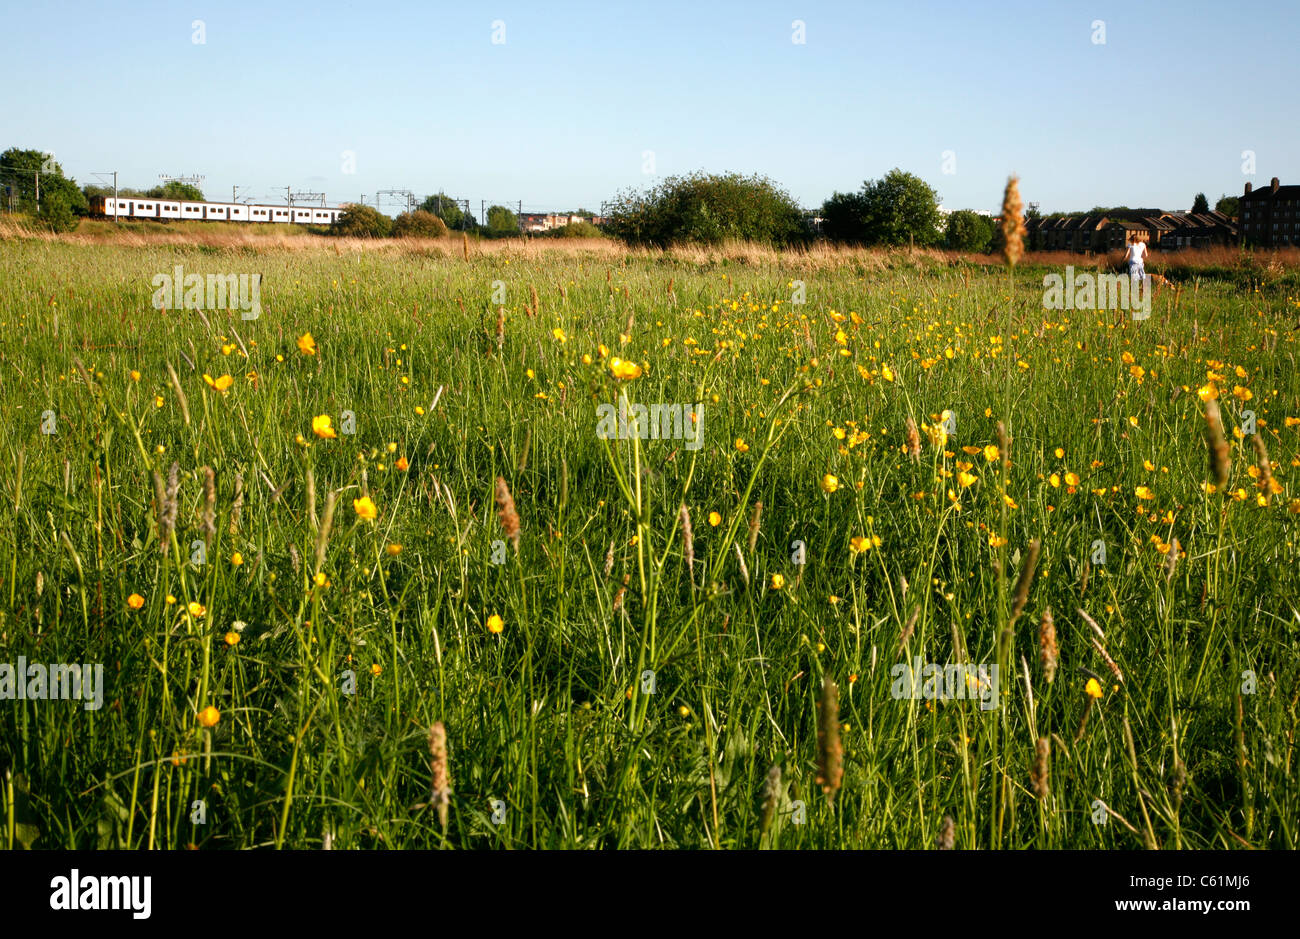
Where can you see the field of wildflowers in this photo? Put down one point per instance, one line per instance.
(362, 572)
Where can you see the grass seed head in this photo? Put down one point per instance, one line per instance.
(1013, 223)
(913, 440)
(1047, 645)
(830, 752)
(947, 834)
(1026, 579)
(688, 541)
(506, 513)
(1220, 461)
(440, 790)
(1041, 778)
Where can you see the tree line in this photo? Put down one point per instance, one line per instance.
(708, 208)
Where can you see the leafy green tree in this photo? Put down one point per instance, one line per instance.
(1228, 205)
(418, 224)
(362, 221)
(175, 191)
(1200, 204)
(897, 210)
(56, 211)
(501, 221)
(843, 217)
(968, 231)
(125, 192)
(709, 208)
(449, 210)
(20, 170)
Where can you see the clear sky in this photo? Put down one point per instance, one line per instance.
(563, 111)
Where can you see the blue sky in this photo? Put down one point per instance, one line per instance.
(563, 111)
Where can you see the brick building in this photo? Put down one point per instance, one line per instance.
(1270, 217)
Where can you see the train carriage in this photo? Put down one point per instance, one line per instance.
(120, 207)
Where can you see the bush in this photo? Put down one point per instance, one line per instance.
(897, 210)
(362, 221)
(968, 231)
(418, 224)
(709, 209)
(56, 213)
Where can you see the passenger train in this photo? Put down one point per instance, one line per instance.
(107, 206)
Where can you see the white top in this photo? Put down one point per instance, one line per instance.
(1136, 251)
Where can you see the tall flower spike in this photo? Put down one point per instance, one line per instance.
(506, 513)
(440, 789)
(1013, 223)
(830, 753)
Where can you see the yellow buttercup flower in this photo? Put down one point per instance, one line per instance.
(1093, 688)
(197, 610)
(365, 508)
(306, 344)
(966, 479)
(495, 623)
(209, 716)
(715, 519)
(777, 581)
(1144, 492)
(624, 370)
(323, 426)
(829, 483)
(135, 601)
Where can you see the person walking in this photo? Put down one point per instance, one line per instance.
(1135, 257)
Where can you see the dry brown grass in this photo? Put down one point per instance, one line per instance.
(818, 256)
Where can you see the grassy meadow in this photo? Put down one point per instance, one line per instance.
(358, 589)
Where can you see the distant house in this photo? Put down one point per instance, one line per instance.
(1103, 234)
(537, 222)
(1197, 230)
(1270, 217)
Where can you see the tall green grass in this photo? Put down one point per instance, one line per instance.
(554, 737)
